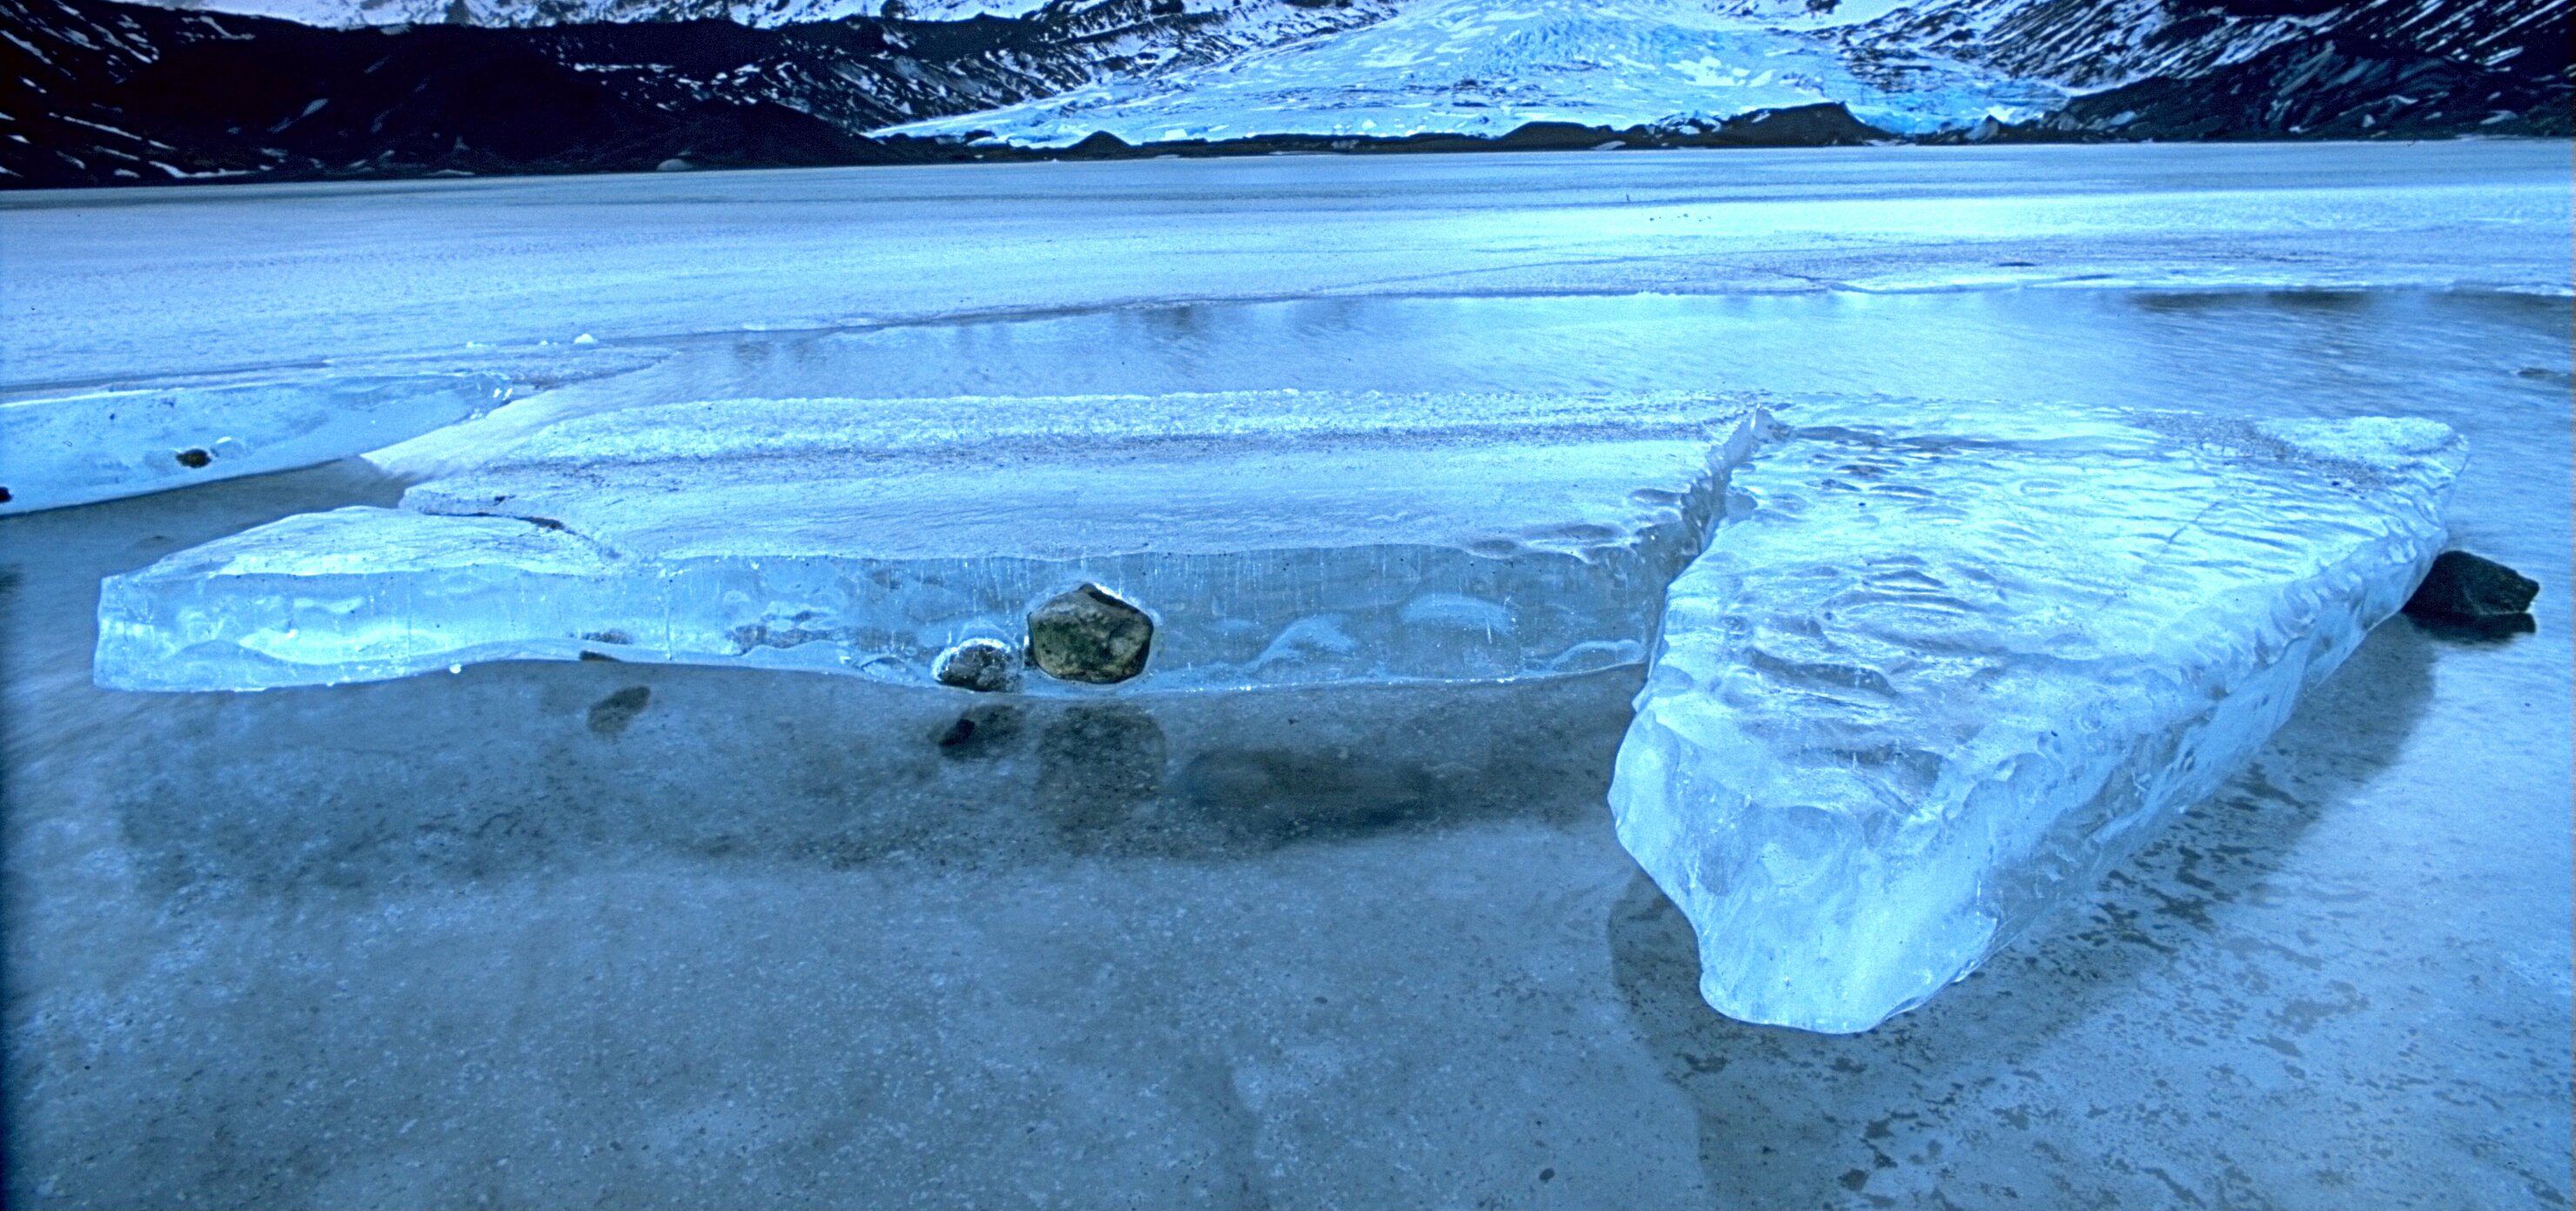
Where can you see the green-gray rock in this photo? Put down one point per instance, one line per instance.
(1090, 634)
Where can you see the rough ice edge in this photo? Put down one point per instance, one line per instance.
(1768, 927)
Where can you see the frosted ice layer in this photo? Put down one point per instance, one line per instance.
(1943, 666)
(78, 448)
(1274, 538)
(106, 442)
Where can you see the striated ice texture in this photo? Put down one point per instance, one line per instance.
(1942, 667)
(1274, 538)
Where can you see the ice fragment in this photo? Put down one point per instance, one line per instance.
(1944, 665)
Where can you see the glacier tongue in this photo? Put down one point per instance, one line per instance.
(1274, 538)
(1485, 67)
(1943, 666)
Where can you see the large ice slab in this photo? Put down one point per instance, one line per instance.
(1274, 537)
(1943, 666)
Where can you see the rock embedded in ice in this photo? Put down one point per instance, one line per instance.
(987, 666)
(1274, 538)
(1943, 666)
(1090, 634)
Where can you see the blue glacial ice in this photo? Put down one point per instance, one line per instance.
(1941, 667)
(1275, 538)
(1487, 66)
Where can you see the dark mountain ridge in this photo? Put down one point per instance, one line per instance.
(95, 92)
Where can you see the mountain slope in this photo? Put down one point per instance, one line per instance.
(2251, 68)
(93, 92)
(99, 92)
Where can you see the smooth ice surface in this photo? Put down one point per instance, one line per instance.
(124, 438)
(1275, 537)
(1487, 66)
(1942, 667)
(134, 281)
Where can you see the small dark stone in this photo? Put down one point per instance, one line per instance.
(1090, 634)
(193, 458)
(587, 654)
(611, 715)
(4, 496)
(1549, 1175)
(987, 666)
(2465, 586)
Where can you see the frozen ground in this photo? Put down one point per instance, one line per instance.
(648, 936)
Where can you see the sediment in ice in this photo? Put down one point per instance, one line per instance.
(1273, 538)
(1942, 666)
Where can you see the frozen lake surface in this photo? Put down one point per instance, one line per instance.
(656, 935)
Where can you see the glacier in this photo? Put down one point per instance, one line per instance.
(1486, 67)
(1274, 537)
(1944, 665)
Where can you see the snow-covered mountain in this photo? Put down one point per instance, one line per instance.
(100, 92)
(350, 14)
(95, 92)
(2236, 68)
(2096, 44)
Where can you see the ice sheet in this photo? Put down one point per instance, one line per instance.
(148, 281)
(1943, 666)
(1276, 538)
